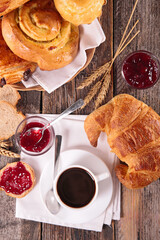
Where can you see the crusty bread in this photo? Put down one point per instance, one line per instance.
(133, 131)
(9, 119)
(8, 5)
(14, 182)
(9, 94)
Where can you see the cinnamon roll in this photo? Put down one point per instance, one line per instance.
(79, 12)
(36, 32)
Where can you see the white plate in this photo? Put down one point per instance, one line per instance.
(97, 166)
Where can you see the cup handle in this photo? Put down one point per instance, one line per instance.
(102, 176)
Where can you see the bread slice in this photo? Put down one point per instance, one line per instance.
(9, 94)
(9, 120)
(16, 180)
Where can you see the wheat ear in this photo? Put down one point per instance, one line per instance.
(97, 73)
(5, 144)
(8, 153)
(92, 93)
(104, 89)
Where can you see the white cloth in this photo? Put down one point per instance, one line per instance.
(71, 128)
(91, 36)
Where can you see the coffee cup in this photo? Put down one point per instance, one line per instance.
(76, 187)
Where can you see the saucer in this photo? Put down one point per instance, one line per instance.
(97, 166)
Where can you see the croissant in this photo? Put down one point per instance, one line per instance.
(36, 32)
(7, 6)
(133, 133)
(12, 68)
(79, 12)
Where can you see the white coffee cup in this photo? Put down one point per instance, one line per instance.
(94, 178)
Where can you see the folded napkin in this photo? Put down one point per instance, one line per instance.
(91, 36)
(32, 207)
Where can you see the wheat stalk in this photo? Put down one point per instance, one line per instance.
(125, 31)
(107, 78)
(7, 153)
(121, 50)
(92, 93)
(97, 73)
(5, 144)
(104, 89)
(106, 68)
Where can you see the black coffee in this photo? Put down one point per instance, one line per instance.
(76, 187)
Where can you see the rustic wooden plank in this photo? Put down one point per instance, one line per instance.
(140, 208)
(30, 102)
(61, 99)
(11, 227)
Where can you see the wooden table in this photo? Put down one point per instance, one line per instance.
(140, 209)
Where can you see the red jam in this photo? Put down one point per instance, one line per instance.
(29, 141)
(140, 70)
(16, 180)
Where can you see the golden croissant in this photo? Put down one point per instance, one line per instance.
(79, 12)
(36, 32)
(7, 6)
(133, 133)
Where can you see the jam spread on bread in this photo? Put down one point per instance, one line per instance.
(29, 141)
(140, 70)
(16, 179)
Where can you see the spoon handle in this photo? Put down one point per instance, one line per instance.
(69, 110)
(57, 146)
(58, 142)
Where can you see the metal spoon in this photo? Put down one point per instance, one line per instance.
(38, 132)
(51, 202)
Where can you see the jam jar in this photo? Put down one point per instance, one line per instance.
(141, 69)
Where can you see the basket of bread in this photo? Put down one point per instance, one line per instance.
(43, 34)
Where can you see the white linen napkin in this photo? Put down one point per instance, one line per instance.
(71, 128)
(91, 36)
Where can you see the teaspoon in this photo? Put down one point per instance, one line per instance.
(38, 132)
(51, 202)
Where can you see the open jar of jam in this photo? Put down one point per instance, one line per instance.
(28, 141)
(141, 69)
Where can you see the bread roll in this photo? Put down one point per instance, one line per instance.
(133, 133)
(7, 6)
(36, 32)
(17, 179)
(12, 68)
(9, 119)
(79, 12)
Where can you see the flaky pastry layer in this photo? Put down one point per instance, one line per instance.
(133, 133)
